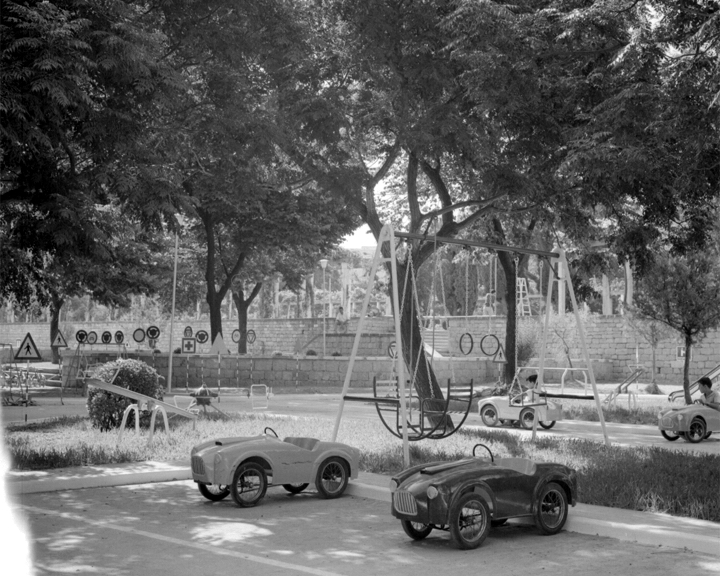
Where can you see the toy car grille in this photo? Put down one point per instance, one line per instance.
(404, 502)
(197, 465)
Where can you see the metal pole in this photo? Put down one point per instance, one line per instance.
(172, 317)
(324, 313)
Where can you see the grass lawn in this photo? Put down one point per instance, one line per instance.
(641, 478)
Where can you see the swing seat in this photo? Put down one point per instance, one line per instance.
(434, 419)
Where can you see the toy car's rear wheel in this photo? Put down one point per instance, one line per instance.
(249, 484)
(295, 488)
(670, 436)
(489, 415)
(547, 425)
(526, 418)
(213, 492)
(552, 509)
(332, 477)
(697, 431)
(416, 530)
(469, 521)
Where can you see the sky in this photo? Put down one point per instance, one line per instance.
(361, 238)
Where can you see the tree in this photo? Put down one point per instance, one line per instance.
(253, 211)
(80, 83)
(683, 292)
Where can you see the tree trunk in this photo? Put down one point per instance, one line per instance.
(55, 307)
(310, 295)
(242, 306)
(508, 265)
(215, 303)
(686, 368)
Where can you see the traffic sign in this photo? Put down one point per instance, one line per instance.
(499, 357)
(59, 341)
(188, 345)
(27, 349)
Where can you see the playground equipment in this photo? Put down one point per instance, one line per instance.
(405, 414)
(399, 401)
(144, 402)
(623, 388)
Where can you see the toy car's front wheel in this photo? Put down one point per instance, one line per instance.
(416, 530)
(552, 509)
(249, 484)
(670, 436)
(489, 415)
(547, 425)
(213, 492)
(696, 432)
(295, 488)
(526, 418)
(469, 521)
(332, 478)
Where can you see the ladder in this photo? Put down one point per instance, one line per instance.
(523, 300)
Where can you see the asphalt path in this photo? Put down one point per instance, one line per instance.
(327, 405)
(168, 528)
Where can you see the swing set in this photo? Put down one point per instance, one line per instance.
(402, 409)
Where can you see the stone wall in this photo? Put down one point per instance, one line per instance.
(613, 344)
(285, 373)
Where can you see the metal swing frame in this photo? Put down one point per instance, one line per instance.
(388, 235)
(389, 406)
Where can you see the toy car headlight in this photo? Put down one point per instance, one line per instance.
(432, 492)
(393, 485)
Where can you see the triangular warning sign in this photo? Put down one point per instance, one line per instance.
(499, 357)
(27, 350)
(218, 346)
(59, 341)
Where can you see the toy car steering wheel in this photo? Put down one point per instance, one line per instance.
(492, 459)
(271, 430)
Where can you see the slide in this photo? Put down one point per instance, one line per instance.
(623, 387)
(713, 374)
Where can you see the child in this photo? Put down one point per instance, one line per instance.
(709, 398)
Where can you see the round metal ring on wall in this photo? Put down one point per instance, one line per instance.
(488, 348)
(466, 340)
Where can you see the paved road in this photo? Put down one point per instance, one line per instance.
(326, 406)
(168, 528)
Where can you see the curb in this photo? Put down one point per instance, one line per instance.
(648, 528)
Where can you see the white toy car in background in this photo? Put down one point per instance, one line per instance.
(693, 423)
(497, 410)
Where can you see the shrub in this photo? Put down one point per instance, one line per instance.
(336, 354)
(106, 409)
(311, 353)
